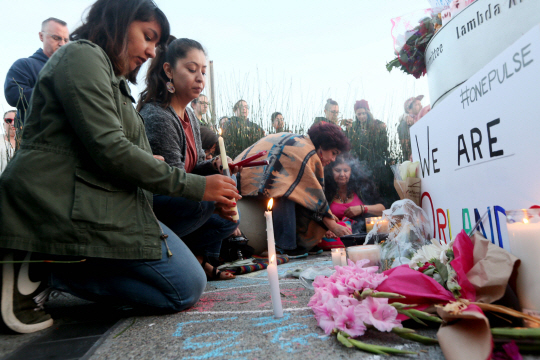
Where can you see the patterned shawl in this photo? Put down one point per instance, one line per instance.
(295, 172)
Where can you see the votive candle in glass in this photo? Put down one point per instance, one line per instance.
(524, 239)
(361, 252)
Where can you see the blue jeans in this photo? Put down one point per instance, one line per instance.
(194, 222)
(168, 285)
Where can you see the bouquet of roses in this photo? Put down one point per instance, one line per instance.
(347, 303)
(410, 54)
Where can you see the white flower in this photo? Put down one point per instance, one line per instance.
(428, 253)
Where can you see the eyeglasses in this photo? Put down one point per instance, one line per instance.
(8, 120)
(56, 37)
(204, 103)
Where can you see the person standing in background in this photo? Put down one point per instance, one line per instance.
(7, 145)
(369, 143)
(412, 108)
(22, 76)
(278, 122)
(240, 132)
(331, 112)
(200, 107)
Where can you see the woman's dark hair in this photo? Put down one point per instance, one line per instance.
(368, 113)
(275, 115)
(329, 104)
(360, 182)
(156, 79)
(107, 25)
(328, 136)
(208, 138)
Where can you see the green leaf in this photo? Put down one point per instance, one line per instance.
(411, 315)
(425, 316)
(342, 339)
(442, 270)
(376, 349)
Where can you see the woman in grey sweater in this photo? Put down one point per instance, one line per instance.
(175, 77)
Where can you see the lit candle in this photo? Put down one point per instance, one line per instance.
(370, 222)
(336, 257)
(272, 266)
(343, 257)
(225, 165)
(361, 252)
(524, 239)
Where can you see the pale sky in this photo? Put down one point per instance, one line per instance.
(287, 56)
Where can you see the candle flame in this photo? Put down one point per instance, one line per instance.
(273, 258)
(270, 203)
(525, 221)
(219, 132)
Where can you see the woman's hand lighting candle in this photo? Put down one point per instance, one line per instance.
(272, 266)
(226, 171)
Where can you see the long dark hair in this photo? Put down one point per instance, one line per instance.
(107, 25)
(368, 113)
(360, 183)
(156, 79)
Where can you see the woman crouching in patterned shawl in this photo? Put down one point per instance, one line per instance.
(295, 179)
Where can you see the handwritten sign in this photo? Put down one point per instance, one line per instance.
(472, 38)
(478, 147)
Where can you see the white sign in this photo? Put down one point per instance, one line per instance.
(479, 147)
(472, 38)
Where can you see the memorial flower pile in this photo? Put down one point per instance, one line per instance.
(348, 304)
(410, 56)
(459, 280)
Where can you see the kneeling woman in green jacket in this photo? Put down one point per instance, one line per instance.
(80, 187)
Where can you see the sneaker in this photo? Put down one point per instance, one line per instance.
(293, 254)
(20, 311)
(315, 251)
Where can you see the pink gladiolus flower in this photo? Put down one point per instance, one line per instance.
(378, 313)
(347, 300)
(348, 322)
(320, 281)
(337, 289)
(326, 322)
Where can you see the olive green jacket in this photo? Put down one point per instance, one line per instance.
(82, 182)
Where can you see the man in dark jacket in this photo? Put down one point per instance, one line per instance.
(23, 74)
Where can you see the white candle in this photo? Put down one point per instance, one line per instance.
(524, 239)
(273, 278)
(225, 165)
(270, 230)
(336, 257)
(274, 287)
(370, 222)
(370, 252)
(343, 255)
